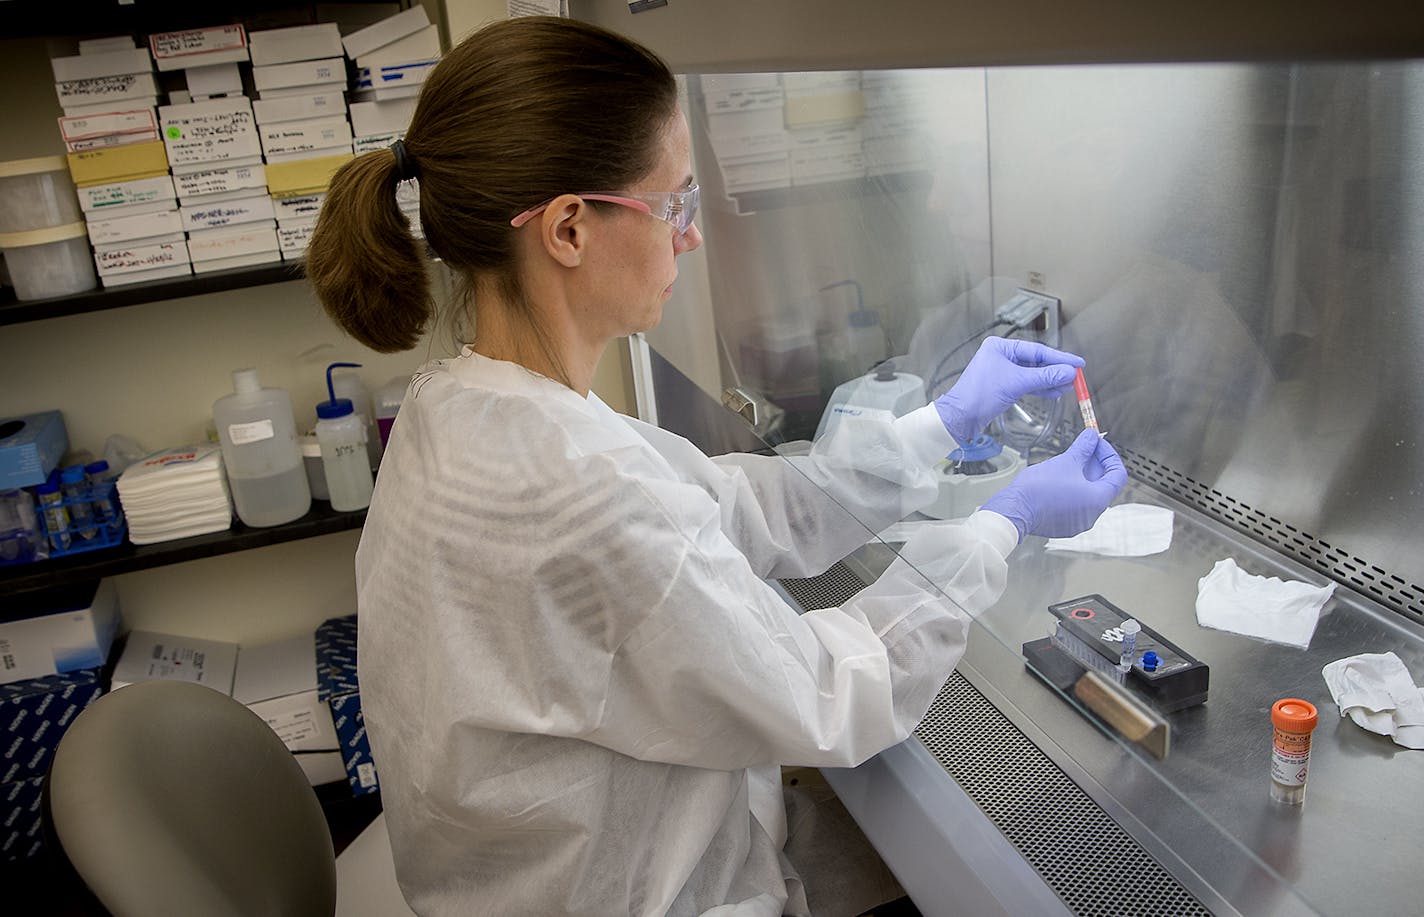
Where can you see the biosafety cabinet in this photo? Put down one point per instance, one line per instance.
(1222, 210)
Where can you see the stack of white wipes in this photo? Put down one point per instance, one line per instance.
(176, 493)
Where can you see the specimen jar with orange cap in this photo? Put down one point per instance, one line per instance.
(1294, 720)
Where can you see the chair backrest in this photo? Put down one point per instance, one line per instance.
(171, 798)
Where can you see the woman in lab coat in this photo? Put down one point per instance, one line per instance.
(578, 686)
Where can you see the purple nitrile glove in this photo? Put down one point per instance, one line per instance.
(1066, 494)
(1002, 372)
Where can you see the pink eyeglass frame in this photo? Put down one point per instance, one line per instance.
(662, 197)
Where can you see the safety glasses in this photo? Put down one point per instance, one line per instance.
(675, 207)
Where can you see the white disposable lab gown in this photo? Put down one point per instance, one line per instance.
(578, 686)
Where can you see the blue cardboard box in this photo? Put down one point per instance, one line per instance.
(20, 827)
(35, 713)
(336, 685)
(33, 716)
(30, 448)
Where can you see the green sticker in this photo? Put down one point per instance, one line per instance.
(175, 133)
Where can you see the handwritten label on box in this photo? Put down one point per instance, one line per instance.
(140, 258)
(298, 208)
(106, 89)
(294, 237)
(83, 127)
(216, 181)
(168, 45)
(211, 136)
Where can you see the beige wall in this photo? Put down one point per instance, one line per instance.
(152, 371)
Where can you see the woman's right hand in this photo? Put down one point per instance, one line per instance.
(1066, 494)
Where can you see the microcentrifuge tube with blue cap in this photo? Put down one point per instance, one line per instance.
(1130, 630)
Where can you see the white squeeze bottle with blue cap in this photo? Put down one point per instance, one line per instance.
(342, 435)
(260, 454)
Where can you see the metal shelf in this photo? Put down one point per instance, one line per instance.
(26, 588)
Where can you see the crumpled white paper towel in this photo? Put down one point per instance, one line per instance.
(1281, 611)
(1375, 690)
(1127, 530)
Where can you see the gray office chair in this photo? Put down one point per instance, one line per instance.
(171, 798)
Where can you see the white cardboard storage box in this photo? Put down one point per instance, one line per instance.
(149, 656)
(200, 215)
(64, 640)
(298, 43)
(391, 29)
(96, 66)
(369, 118)
(419, 45)
(194, 185)
(219, 44)
(278, 682)
(233, 241)
(290, 137)
(95, 199)
(213, 79)
(328, 71)
(97, 90)
(300, 107)
(107, 231)
(216, 131)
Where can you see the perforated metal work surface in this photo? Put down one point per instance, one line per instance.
(1089, 861)
(1084, 856)
(828, 590)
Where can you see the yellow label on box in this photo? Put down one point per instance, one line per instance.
(118, 163)
(303, 176)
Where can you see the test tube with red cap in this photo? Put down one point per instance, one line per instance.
(1085, 402)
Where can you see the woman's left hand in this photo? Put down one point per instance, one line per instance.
(1002, 372)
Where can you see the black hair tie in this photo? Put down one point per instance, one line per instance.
(405, 163)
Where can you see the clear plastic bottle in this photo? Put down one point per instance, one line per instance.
(867, 339)
(342, 435)
(258, 434)
(350, 387)
(55, 515)
(74, 487)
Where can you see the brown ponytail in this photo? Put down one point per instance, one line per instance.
(520, 111)
(365, 264)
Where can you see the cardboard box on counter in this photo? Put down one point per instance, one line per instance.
(76, 634)
(149, 656)
(34, 715)
(278, 682)
(338, 686)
